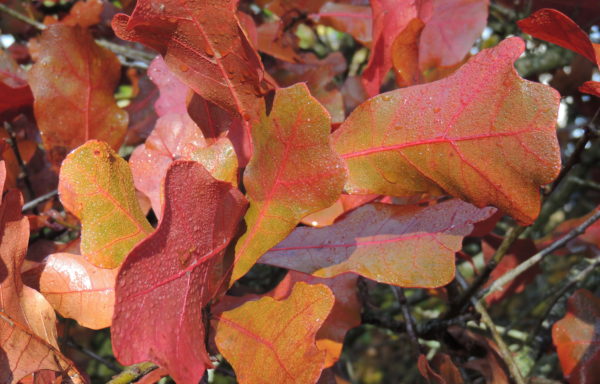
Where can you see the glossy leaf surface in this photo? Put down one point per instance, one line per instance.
(293, 173)
(431, 138)
(204, 45)
(407, 246)
(169, 277)
(576, 338)
(281, 335)
(73, 81)
(96, 186)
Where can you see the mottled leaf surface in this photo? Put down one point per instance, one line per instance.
(169, 277)
(484, 135)
(293, 173)
(576, 338)
(73, 81)
(407, 246)
(280, 334)
(204, 45)
(96, 186)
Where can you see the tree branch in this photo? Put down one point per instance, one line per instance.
(505, 353)
(524, 266)
(133, 373)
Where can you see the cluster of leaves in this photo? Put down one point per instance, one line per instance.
(252, 141)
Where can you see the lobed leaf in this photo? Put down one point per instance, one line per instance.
(167, 279)
(204, 45)
(280, 334)
(407, 246)
(73, 81)
(483, 134)
(96, 186)
(293, 173)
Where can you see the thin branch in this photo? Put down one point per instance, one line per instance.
(133, 373)
(15, 147)
(141, 58)
(33, 203)
(109, 364)
(512, 234)
(505, 353)
(524, 266)
(585, 183)
(571, 282)
(408, 318)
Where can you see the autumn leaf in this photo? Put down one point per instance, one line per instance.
(73, 81)
(576, 338)
(407, 246)
(77, 289)
(355, 20)
(84, 13)
(283, 351)
(441, 370)
(294, 172)
(389, 19)
(180, 265)
(204, 45)
(14, 90)
(432, 138)
(591, 88)
(96, 186)
(344, 204)
(27, 321)
(173, 92)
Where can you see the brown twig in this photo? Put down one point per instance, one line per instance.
(109, 364)
(505, 353)
(511, 235)
(524, 266)
(15, 147)
(410, 323)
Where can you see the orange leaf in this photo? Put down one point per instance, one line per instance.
(204, 45)
(284, 350)
(577, 339)
(73, 81)
(408, 246)
(483, 134)
(293, 173)
(167, 279)
(96, 186)
(77, 289)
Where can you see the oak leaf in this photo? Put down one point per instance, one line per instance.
(294, 172)
(96, 186)
(576, 338)
(431, 138)
(73, 81)
(281, 335)
(169, 277)
(407, 246)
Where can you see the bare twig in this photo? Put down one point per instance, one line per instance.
(408, 318)
(33, 203)
(511, 235)
(109, 364)
(505, 353)
(512, 274)
(133, 373)
(15, 147)
(141, 58)
(585, 183)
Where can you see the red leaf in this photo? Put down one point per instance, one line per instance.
(557, 28)
(180, 267)
(284, 350)
(519, 251)
(591, 88)
(408, 246)
(73, 82)
(483, 134)
(84, 13)
(577, 339)
(441, 370)
(204, 45)
(355, 20)
(173, 93)
(14, 90)
(294, 172)
(389, 19)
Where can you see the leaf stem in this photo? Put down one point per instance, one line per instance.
(505, 353)
(15, 147)
(31, 204)
(408, 318)
(524, 266)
